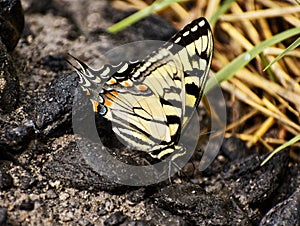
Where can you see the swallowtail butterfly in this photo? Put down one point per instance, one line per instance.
(151, 101)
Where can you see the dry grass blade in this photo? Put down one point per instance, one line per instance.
(280, 94)
(273, 51)
(264, 13)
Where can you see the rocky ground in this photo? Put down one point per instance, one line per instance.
(44, 179)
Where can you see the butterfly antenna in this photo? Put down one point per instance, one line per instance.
(83, 66)
(72, 65)
(169, 172)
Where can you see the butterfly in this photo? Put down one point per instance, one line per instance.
(151, 101)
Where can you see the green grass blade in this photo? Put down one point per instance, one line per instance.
(294, 45)
(270, 72)
(229, 70)
(157, 6)
(281, 147)
(154, 7)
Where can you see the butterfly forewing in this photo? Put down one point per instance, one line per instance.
(197, 40)
(148, 102)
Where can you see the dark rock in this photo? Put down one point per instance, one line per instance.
(14, 136)
(85, 222)
(6, 180)
(56, 8)
(9, 82)
(160, 216)
(27, 205)
(134, 223)
(54, 63)
(36, 6)
(287, 186)
(252, 185)
(3, 216)
(27, 181)
(115, 219)
(198, 207)
(233, 148)
(69, 166)
(136, 196)
(53, 108)
(11, 22)
(284, 213)
(101, 210)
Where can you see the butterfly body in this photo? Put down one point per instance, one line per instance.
(149, 102)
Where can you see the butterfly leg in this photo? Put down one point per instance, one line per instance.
(179, 151)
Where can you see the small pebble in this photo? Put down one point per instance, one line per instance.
(115, 219)
(63, 196)
(50, 194)
(27, 205)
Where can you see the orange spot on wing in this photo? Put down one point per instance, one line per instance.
(112, 81)
(115, 93)
(95, 105)
(127, 84)
(142, 87)
(108, 103)
(110, 96)
(88, 92)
